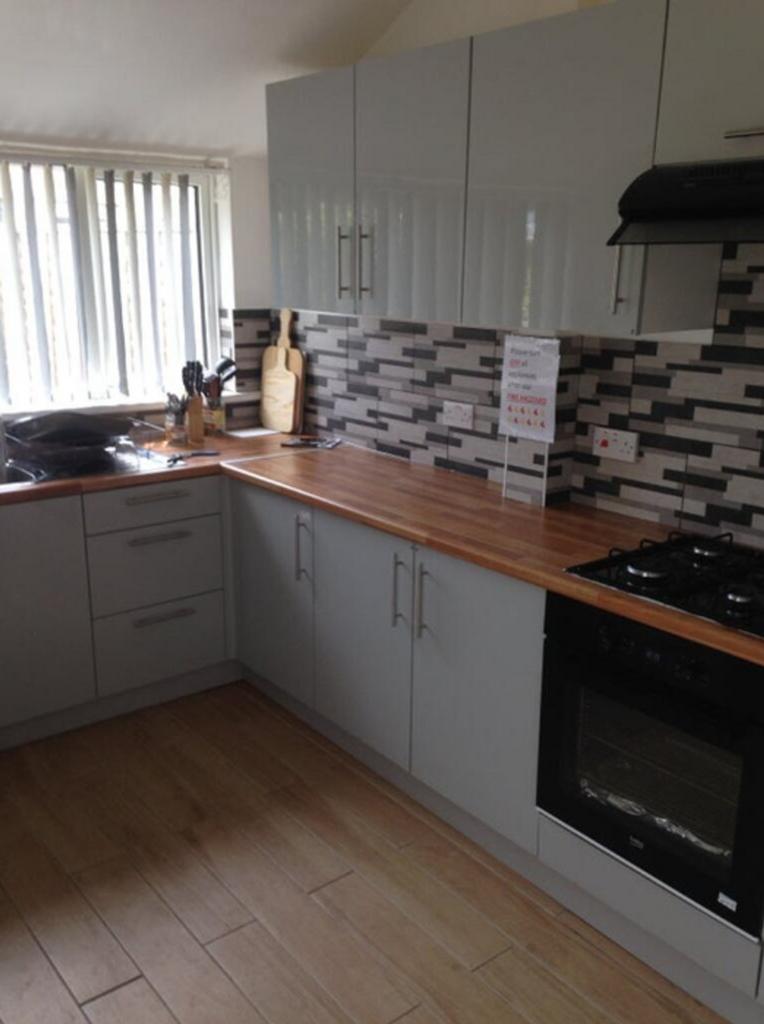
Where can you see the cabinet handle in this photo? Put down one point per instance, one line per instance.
(744, 133)
(420, 623)
(158, 538)
(149, 499)
(157, 620)
(616, 299)
(363, 236)
(397, 562)
(299, 572)
(342, 236)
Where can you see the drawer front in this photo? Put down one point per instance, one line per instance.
(137, 568)
(129, 507)
(142, 647)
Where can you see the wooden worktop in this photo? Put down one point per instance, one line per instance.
(467, 518)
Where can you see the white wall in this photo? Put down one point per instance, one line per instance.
(426, 22)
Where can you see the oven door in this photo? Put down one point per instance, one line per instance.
(665, 779)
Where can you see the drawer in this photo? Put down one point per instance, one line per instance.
(129, 507)
(137, 568)
(143, 647)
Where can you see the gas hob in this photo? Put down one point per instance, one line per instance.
(707, 576)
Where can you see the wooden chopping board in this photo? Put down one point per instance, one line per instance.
(277, 405)
(295, 364)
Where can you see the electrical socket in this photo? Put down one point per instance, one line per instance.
(458, 414)
(621, 445)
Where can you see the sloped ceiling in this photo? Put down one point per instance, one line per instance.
(183, 74)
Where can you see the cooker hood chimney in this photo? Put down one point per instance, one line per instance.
(676, 204)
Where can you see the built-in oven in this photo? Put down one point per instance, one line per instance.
(652, 747)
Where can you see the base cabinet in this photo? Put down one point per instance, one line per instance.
(364, 599)
(44, 610)
(477, 691)
(274, 589)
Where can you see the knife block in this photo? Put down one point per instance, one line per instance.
(195, 421)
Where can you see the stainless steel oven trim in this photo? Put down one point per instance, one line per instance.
(650, 878)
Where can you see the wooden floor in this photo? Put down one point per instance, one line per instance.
(214, 861)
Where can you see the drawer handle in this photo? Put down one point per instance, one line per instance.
(150, 499)
(157, 620)
(158, 538)
(744, 133)
(421, 626)
(397, 563)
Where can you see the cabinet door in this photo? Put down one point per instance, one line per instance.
(47, 660)
(477, 691)
(312, 182)
(274, 588)
(712, 82)
(411, 152)
(363, 634)
(562, 120)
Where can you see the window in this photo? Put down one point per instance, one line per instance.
(107, 283)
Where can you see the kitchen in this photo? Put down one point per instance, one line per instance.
(332, 691)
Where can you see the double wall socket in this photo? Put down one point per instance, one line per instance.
(459, 414)
(622, 445)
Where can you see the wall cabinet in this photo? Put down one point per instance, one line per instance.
(562, 120)
(312, 187)
(411, 152)
(274, 589)
(364, 598)
(713, 70)
(47, 661)
(367, 176)
(477, 691)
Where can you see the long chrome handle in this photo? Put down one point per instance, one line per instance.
(157, 620)
(397, 562)
(744, 133)
(363, 236)
(342, 236)
(299, 572)
(158, 538)
(420, 623)
(616, 299)
(149, 499)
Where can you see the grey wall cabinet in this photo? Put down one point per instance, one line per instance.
(411, 152)
(311, 159)
(367, 178)
(364, 598)
(563, 118)
(713, 69)
(274, 588)
(477, 691)
(44, 610)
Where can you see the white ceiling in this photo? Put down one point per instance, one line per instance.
(171, 74)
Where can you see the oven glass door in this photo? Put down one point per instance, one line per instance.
(664, 779)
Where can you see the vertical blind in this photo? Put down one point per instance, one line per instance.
(102, 284)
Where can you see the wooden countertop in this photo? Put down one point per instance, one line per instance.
(152, 471)
(467, 518)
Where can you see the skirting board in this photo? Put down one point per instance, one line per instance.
(683, 972)
(121, 704)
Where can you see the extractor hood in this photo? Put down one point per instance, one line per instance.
(691, 204)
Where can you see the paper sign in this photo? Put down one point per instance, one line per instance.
(529, 387)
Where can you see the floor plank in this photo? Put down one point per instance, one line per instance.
(169, 864)
(136, 1003)
(325, 947)
(442, 913)
(81, 948)
(274, 981)
(30, 990)
(181, 971)
(456, 993)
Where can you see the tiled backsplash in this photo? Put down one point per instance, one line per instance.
(699, 411)
(697, 408)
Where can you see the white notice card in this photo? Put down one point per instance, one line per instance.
(529, 387)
